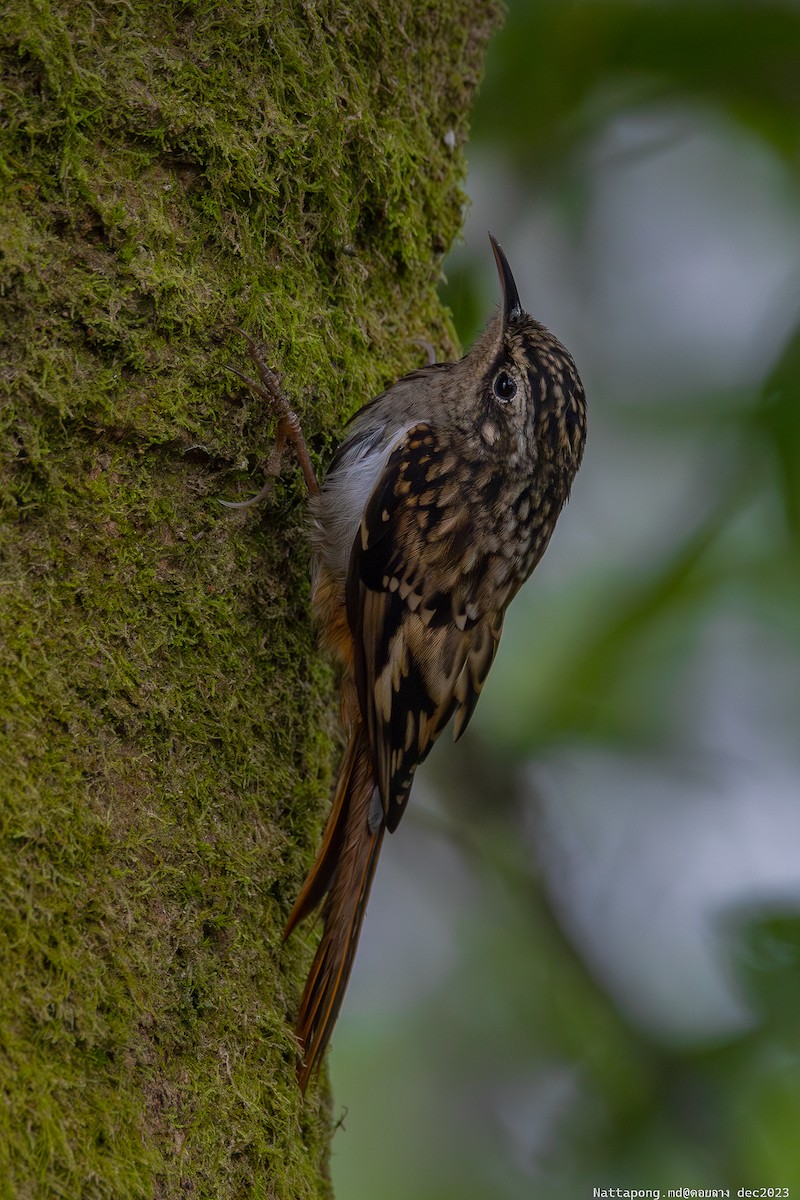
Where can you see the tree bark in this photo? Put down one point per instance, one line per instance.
(166, 730)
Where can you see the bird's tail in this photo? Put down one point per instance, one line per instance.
(342, 874)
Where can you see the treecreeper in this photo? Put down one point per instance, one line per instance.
(436, 508)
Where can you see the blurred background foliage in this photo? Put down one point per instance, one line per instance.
(581, 966)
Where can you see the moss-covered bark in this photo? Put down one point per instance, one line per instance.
(168, 171)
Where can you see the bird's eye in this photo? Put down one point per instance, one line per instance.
(504, 387)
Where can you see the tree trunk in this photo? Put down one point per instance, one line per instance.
(166, 731)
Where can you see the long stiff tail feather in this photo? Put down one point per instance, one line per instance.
(342, 874)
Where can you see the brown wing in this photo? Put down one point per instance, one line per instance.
(422, 649)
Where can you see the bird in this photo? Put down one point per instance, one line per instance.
(435, 509)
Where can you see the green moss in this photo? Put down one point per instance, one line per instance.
(167, 739)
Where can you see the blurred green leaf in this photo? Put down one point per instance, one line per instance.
(558, 71)
(768, 962)
(780, 425)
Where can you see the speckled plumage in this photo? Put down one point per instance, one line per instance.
(435, 509)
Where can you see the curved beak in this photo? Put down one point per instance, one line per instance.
(512, 309)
